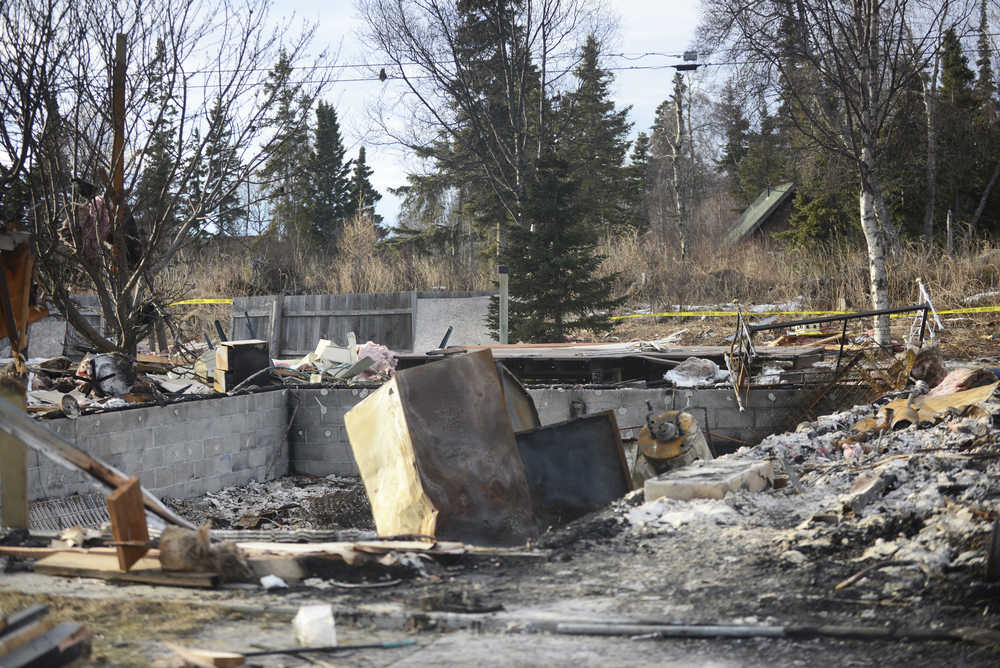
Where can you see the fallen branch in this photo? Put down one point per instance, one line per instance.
(871, 569)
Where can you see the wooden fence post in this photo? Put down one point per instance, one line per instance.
(413, 320)
(276, 315)
(13, 463)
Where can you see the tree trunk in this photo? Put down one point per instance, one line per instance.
(930, 119)
(985, 198)
(878, 279)
(885, 222)
(677, 147)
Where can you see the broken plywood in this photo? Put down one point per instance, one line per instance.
(105, 567)
(437, 455)
(930, 408)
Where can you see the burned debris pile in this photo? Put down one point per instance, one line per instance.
(58, 387)
(467, 503)
(906, 488)
(287, 504)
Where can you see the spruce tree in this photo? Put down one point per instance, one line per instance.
(330, 177)
(363, 195)
(222, 163)
(737, 133)
(594, 141)
(153, 197)
(956, 77)
(985, 83)
(285, 174)
(763, 166)
(961, 178)
(552, 262)
(488, 156)
(637, 184)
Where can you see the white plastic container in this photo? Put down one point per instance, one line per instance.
(314, 626)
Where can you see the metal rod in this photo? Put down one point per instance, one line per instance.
(843, 337)
(836, 318)
(252, 376)
(333, 648)
(444, 340)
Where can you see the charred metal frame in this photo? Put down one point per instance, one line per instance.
(742, 351)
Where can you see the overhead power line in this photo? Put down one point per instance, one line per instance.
(637, 55)
(390, 77)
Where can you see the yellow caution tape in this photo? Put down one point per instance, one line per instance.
(219, 300)
(683, 314)
(973, 309)
(723, 314)
(733, 314)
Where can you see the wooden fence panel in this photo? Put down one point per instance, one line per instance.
(386, 318)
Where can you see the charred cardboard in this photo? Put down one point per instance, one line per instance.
(438, 456)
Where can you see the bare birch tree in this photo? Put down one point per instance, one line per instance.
(192, 66)
(843, 66)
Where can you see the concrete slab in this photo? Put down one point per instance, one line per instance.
(711, 480)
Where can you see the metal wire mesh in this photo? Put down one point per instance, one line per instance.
(87, 510)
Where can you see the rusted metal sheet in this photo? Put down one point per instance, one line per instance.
(438, 457)
(16, 310)
(520, 406)
(574, 467)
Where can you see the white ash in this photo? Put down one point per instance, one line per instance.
(923, 497)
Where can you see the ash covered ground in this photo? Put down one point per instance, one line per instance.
(292, 502)
(913, 509)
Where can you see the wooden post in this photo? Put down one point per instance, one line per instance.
(413, 320)
(161, 335)
(13, 463)
(118, 120)
(276, 315)
(502, 270)
(118, 151)
(128, 523)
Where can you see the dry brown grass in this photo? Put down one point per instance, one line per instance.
(124, 629)
(265, 266)
(651, 273)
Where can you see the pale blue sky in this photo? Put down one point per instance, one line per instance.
(644, 26)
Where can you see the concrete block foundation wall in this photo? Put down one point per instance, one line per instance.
(181, 450)
(191, 448)
(716, 410)
(319, 444)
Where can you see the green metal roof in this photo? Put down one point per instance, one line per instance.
(759, 211)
